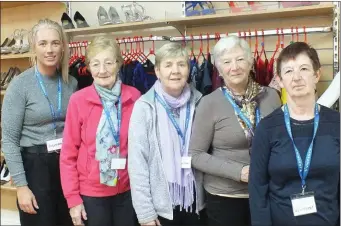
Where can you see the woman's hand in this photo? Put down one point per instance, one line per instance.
(244, 177)
(77, 213)
(27, 201)
(152, 223)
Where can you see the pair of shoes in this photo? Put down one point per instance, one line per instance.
(196, 8)
(110, 17)
(135, 12)
(21, 42)
(7, 77)
(78, 18)
(6, 46)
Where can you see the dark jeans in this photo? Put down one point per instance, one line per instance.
(110, 211)
(184, 218)
(43, 178)
(224, 211)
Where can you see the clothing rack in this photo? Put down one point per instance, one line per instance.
(257, 33)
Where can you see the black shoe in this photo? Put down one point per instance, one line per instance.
(80, 21)
(67, 22)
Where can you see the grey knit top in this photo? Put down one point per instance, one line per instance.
(26, 118)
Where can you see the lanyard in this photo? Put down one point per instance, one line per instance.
(240, 113)
(116, 134)
(188, 108)
(302, 169)
(59, 89)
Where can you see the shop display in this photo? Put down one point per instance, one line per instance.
(106, 18)
(6, 77)
(196, 8)
(134, 12)
(17, 43)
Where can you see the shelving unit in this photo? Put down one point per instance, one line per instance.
(4, 5)
(16, 56)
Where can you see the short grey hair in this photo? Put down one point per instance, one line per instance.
(225, 44)
(171, 49)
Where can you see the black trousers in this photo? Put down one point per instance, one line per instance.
(110, 211)
(43, 178)
(183, 218)
(224, 211)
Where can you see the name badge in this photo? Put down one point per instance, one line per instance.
(118, 163)
(186, 162)
(303, 204)
(54, 145)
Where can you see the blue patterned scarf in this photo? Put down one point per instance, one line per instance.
(105, 142)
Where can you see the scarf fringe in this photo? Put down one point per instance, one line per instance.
(182, 196)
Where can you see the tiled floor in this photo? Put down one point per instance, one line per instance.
(9, 217)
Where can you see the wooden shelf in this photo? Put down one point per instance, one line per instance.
(117, 27)
(194, 21)
(11, 4)
(8, 187)
(304, 11)
(15, 56)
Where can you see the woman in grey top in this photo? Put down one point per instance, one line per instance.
(162, 182)
(223, 130)
(33, 115)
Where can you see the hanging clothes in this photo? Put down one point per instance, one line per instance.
(79, 71)
(140, 76)
(206, 82)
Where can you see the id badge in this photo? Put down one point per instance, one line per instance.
(303, 204)
(54, 145)
(186, 162)
(118, 163)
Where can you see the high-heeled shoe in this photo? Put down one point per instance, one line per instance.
(103, 17)
(25, 45)
(80, 21)
(18, 42)
(128, 12)
(7, 47)
(67, 22)
(115, 18)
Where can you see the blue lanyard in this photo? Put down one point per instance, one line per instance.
(59, 89)
(116, 134)
(240, 113)
(303, 171)
(188, 108)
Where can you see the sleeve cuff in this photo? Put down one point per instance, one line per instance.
(74, 200)
(145, 220)
(19, 180)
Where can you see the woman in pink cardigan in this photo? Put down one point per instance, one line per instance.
(93, 159)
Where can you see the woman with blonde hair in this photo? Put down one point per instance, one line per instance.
(33, 115)
(93, 161)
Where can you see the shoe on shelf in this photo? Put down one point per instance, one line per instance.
(207, 8)
(6, 47)
(67, 22)
(25, 46)
(80, 21)
(18, 42)
(13, 71)
(129, 13)
(190, 8)
(103, 17)
(115, 18)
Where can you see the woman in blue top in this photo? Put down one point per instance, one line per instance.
(295, 158)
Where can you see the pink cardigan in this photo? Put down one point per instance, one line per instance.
(79, 170)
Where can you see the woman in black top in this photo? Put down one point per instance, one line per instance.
(284, 188)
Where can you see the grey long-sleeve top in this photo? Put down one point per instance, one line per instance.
(26, 118)
(218, 145)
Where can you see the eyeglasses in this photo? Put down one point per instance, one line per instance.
(95, 66)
